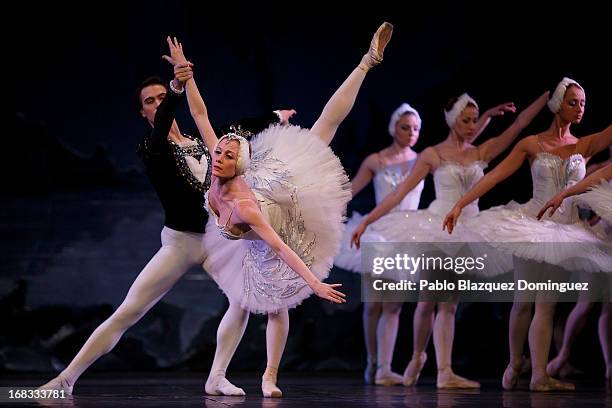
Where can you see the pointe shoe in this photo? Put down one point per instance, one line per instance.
(268, 384)
(369, 375)
(511, 374)
(269, 388)
(381, 38)
(510, 378)
(58, 383)
(410, 380)
(387, 378)
(545, 384)
(447, 380)
(554, 366)
(219, 385)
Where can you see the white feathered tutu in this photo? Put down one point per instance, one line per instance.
(599, 199)
(385, 180)
(419, 232)
(303, 191)
(561, 240)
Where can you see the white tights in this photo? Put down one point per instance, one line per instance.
(179, 251)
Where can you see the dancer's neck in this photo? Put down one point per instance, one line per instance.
(560, 128)
(397, 150)
(457, 142)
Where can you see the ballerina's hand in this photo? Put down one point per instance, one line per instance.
(501, 109)
(327, 292)
(451, 219)
(176, 53)
(553, 204)
(286, 115)
(356, 236)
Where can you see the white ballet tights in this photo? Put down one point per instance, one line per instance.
(276, 339)
(339, 106)
(179, 251)
(230, 333)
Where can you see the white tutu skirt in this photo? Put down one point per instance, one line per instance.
(350, 258)
(417, 233)
(515, 230)
(599, 199)
(303, 191)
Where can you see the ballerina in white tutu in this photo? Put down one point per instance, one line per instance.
(456, 165)
(277, 205)
(599, 199)
(557, 160)
(386, 169)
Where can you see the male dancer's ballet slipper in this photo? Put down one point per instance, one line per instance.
(217, 384)
(58, 383)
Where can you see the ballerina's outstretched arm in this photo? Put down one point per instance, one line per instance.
(590, 145)
(502, 171)
(495, 146)
(197, 107)
(604, 173)
(364, 175)
(486, 117)
(248, 212)
(421, 169)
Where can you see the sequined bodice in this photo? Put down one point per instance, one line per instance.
(386, 180)
(451, 181)
(550, 175)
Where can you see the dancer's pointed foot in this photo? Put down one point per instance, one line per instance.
(546, 383)
(516, 367)
(268, 384)
(414, 368)
(380, 40)
(554, 366)
(510, 378)
(369, 374)
(58, 383)
(449, 380)
(219, 385)
(387, 378)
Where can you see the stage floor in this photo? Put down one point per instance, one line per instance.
(170, 390)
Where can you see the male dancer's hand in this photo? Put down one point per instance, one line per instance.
(183, 72)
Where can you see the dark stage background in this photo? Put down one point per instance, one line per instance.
(79, 219)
